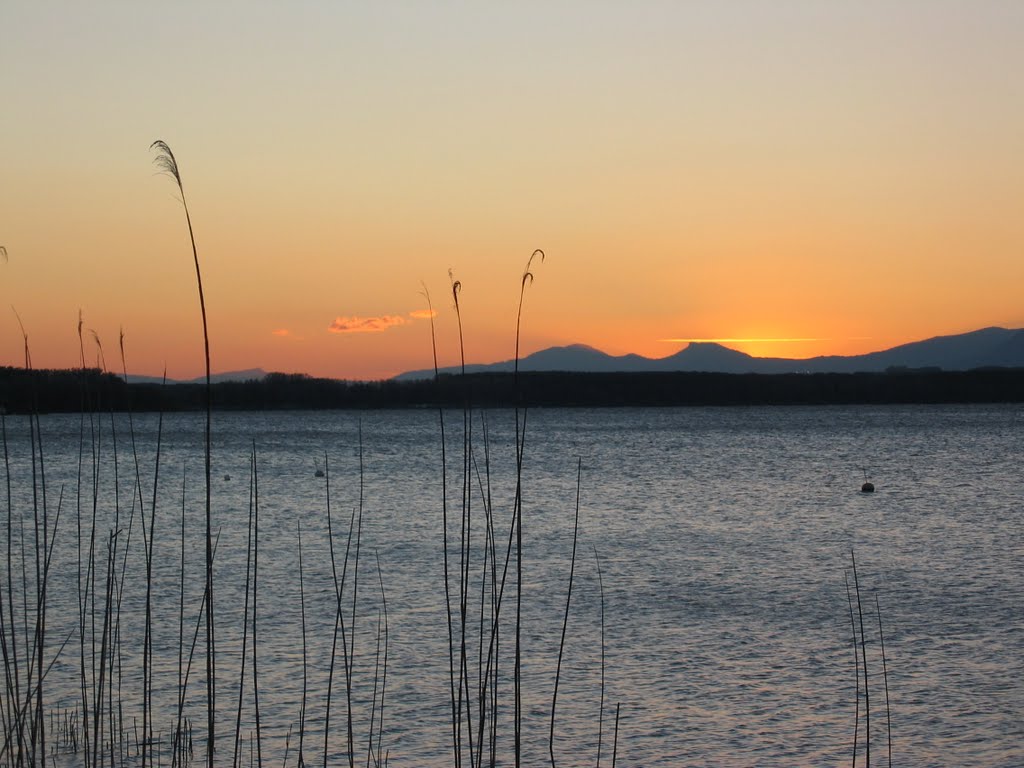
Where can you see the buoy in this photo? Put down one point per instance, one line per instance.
(227, 477)
(868, 486)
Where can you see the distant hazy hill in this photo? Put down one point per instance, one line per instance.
(988, 347)
(252, 374)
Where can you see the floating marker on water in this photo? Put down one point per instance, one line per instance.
(868, 486)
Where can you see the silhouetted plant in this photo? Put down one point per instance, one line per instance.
(885, 680)
(565, 620)
(860, 641)
(302, 608)
(527, 278)
(167, 163)
(245, 613)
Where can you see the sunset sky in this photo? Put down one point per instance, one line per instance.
(795, 178)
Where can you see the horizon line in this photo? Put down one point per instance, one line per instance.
(757, 341)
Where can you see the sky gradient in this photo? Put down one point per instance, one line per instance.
(840, 177)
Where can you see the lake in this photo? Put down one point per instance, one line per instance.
(724, 538)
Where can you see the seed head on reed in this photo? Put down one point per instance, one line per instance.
(527, 274)
(527, 279)
(456, 289)
(101, 358)
(24, 336)
(433, 339)
(165, 161)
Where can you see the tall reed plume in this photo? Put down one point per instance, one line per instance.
(527, 279)
(167, 163)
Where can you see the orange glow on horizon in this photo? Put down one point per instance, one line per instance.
(760, 180)
(792, 348)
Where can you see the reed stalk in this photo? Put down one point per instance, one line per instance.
(115, 657)
(167, 163)
(465, 549)
(147, 722)
(615, 739)
(856, 673)
(98, 718)
(255, 583)
(10, 694)
(565, 620)
(885, 680)
(37, 738)
(302, 608)
(179, 732)
(486, 688)
(520, 444)
(456, 690)
(456, 751)
(864, 666)
(338, 617)
(87, 598)
(339, 622)
(600, 715)
(175, 745)
(245, 614)
(11, 668)
(48, 559)
(84, 406)
(380, 673)
(137, 503)
(376, 681)
(350, 656)
(92, 564)
(148, 534)
(493, 553)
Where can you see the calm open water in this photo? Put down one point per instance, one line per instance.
(723, 536)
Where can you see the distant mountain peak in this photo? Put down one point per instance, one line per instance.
(708, 347)
(578, 347)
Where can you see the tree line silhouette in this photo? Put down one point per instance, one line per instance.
(65, 391)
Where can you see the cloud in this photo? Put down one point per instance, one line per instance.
(364, 324)
(281, 332)
(423, 314)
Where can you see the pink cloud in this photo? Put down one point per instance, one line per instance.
(423, 314)
(364, 324)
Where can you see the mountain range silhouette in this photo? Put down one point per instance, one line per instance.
(984, 348)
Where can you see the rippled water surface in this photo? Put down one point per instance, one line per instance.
(724, 536)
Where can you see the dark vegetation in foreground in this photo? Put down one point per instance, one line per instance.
(59, 391)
